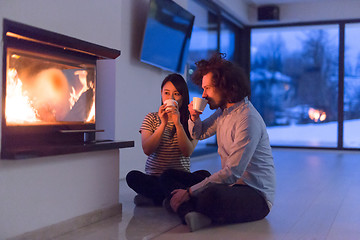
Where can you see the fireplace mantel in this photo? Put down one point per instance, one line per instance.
(51, 150)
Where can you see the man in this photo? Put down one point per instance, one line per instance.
(243, 190)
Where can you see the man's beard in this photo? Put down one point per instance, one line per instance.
(214, 106)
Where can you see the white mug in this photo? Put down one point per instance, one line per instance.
(170, 102)
(199, 104)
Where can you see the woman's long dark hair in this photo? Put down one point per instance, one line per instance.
(180, 84)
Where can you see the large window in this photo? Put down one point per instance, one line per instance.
(203, 43)
(212, 32)
(352, 86)
(295, 84)
(228, 39)
(204, 38)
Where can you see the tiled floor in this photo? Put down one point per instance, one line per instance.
(318, 195)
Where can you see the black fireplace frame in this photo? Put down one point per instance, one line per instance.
(45, 140)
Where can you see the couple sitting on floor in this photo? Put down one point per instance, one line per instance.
(243, 190)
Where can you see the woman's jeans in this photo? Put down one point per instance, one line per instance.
(151, 187)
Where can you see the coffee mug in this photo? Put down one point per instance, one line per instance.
(170, 102)
(199, 104)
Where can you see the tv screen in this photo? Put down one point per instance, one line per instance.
(167, 35)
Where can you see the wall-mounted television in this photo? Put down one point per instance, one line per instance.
(167, 35)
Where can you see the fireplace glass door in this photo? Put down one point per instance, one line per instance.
(46, 89)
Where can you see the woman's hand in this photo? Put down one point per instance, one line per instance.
(163, 114)
(178, 197)
(174, 114)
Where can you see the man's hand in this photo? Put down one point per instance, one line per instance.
(178, 197)
(194, 115)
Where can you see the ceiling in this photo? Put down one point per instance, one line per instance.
(276, 2)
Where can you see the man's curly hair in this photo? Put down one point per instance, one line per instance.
(227, 77)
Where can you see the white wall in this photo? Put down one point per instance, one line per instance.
(29, 196)
(238, 9)
(138, 86)
(38, 192)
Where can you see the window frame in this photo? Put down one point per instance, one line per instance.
(341, 73)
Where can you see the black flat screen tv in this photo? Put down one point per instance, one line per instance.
(167, 35)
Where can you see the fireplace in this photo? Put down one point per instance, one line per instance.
(48, 91)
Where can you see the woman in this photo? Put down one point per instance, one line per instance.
(166, 141)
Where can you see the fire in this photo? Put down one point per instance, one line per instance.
(317, 115)
(75, 96)
(18, 107)
(91, 116)
(47, 99)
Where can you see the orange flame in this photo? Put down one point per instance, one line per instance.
(317, 115)
(75, 96)
(18, 109)
(48, 97)
(91, 116)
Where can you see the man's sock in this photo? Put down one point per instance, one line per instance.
(196, 221)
